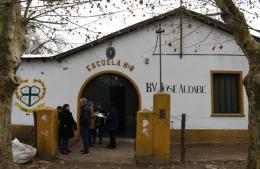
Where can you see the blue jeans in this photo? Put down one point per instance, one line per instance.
(85, 139)
(64, 144)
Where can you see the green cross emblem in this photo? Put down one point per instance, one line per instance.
(30, 95)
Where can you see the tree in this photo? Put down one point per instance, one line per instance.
(12, 31)
(37, 44)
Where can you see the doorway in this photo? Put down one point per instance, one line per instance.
(107, 88)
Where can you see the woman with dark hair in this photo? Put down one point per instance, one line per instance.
(67, 127)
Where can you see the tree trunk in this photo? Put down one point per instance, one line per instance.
(5, 137)
(12, 34)
(252, 84)
(236, 21)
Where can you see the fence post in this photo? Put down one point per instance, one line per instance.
(144, 136)
(161, 139)
(183, 147)
(47, 132)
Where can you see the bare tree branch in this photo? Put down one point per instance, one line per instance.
(49, 22)
(239, 27)
(27, 8)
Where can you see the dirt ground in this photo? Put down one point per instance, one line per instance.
(124, 153)
(60, 164)
(198, 156)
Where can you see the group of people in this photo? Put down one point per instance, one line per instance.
(93, 120)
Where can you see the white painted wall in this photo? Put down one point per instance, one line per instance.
(63, 85)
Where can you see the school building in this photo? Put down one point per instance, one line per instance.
(202, 69)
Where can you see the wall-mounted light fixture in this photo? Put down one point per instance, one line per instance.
(146, 61)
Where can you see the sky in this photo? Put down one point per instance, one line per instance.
(90, 21)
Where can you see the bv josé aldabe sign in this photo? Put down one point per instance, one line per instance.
(176, 88)
(110, 62)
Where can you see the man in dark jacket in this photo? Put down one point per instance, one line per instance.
(85, 122)
(112, 124)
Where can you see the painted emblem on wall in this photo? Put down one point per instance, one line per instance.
(29, 94)
(110, 52)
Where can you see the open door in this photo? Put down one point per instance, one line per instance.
(117, 96)
(113, 88)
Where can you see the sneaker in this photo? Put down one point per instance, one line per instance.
(86, 153)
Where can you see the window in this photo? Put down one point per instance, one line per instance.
(226, 93)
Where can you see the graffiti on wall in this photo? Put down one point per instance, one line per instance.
(145, 129)
(29, 95)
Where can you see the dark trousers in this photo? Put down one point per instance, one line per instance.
(85, 139)
(100, 134)
(59, 143)
(112, 135)
(91, 136)
(64, 144)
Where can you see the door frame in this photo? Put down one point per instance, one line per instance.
(92, 77)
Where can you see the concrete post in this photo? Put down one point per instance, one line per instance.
(47, 132)
(144, 136)
(161, 140)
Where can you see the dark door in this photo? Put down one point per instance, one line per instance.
(117, 96)
(108, 88)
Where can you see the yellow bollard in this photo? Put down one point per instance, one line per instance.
(144, 136)
(47, 132)
(161, 140)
